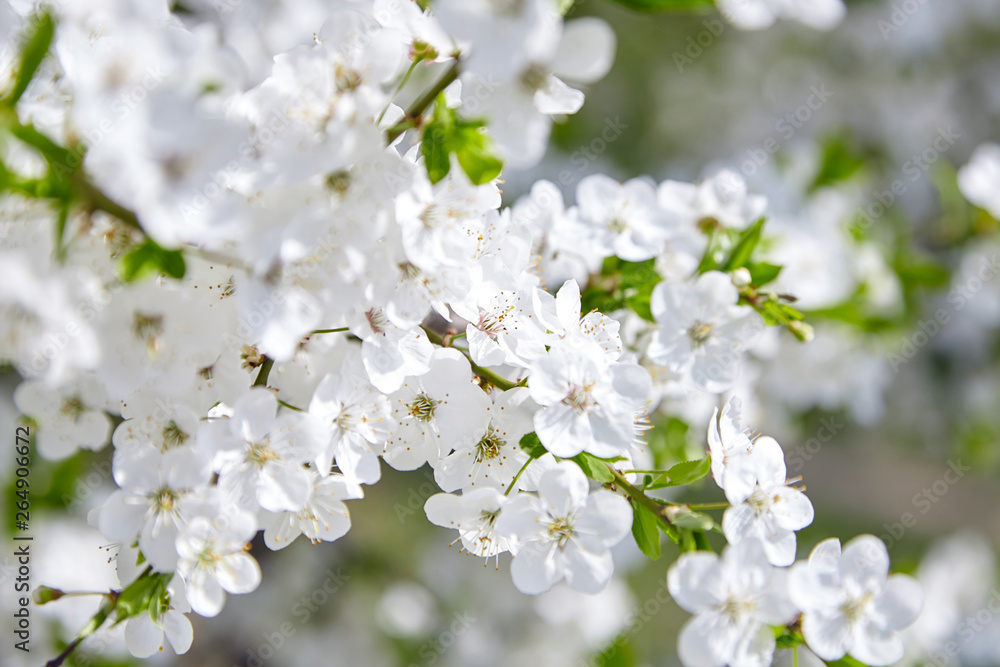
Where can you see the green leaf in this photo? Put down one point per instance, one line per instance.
(646, 531)
(761, 273)
(476, 154)
(532, 446)
(846, 661)
(684, 473)
(619, 654)
(740, 254)
(669, 441)
(623, 284)
(918, 271)
(137, 597)
(790, 311)
(446, 134)
(434, 148)
(34, 52)
(593, 467)
(785, 638)
(150, 259)
(775, 312)
(839, 164)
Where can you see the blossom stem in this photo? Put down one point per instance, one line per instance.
(105, 610)
(708, 506)
(265, 370)
(492, 377)
(323, 331)
(290, 406)
(63, 159)
(513, 482)
(406, 77)
(421, 103)
(638, 496)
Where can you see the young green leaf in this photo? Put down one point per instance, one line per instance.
(593, 467)
(34, 52)
(646, 531)
(761, 273)
(140, 594)
(532, 446)
(749, 239)
(476, 154)
(150, 259)
(684, 473)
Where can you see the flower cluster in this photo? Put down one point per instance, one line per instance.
(844, 601)
(279, 277)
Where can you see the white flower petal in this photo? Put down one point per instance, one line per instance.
(238, 573)
(586, 52)
(177, 627)
(533, 571)
(143, 637)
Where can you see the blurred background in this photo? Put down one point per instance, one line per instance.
(891, 415)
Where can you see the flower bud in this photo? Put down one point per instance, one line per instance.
(44, 594)
(801, 330)
(741, 277)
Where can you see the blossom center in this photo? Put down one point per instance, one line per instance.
(377, 320)
(489, 446)
(508, 7)
(560, 531)
(617, 224)
(259, 453)
(854, 608)
(759, 501)
(347, 78)
(173, 436)
(209, 556)
(147, 326)
(534, 78)
(339, 182)
(700, 332)
(73, 407)
(433, 216)
(422, 407)
(164, 499)
(580, 398)
(736, 608)
(492, 322)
